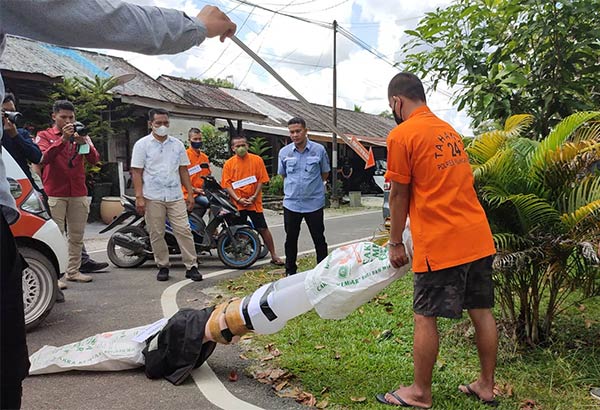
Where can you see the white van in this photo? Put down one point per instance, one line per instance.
(40, 242)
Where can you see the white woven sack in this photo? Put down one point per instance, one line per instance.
(350, 276)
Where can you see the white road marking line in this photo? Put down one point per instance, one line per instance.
(206, 380)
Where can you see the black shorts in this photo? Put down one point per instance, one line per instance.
(447, 292)
(257, 218)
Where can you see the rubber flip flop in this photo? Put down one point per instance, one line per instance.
(277, 263)
(381, 399)
(471, 392)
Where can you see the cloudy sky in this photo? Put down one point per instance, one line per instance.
(302, 52)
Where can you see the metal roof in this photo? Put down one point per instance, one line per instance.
(279, 110)
(204, 95)
(276, 116)
(350, 122)
(29, 56)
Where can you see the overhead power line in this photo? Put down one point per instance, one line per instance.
(262, 42)
(295, 4)
(346, 33)
(315, 22)
(377, 53)
(324, 9)
(228, 45)
(365, 46)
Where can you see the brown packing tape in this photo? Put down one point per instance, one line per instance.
(214, 324)
(234, 319)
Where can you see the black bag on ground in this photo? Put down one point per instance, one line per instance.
(178, 349)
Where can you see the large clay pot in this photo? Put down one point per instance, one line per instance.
(110, 208)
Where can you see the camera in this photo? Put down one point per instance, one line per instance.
(14, 117)
(80, 128)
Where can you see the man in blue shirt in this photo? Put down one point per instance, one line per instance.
(304, 166)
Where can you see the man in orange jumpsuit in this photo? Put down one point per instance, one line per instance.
(453, 245)
(243, 177)
(197, 158)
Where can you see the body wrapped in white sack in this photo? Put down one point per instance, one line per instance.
(350, 276)
(109, 351)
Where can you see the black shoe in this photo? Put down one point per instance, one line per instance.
(193, 274)
(163, 274)
(60, 297)
(92, 266)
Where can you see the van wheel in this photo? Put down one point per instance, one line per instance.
(40, 286)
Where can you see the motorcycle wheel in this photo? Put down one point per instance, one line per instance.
(263, 251)
(40, 287)
(123, 257)
(245, 254)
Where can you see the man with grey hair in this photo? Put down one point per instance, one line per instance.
(95, 24)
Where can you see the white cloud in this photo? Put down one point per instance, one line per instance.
(295, 49)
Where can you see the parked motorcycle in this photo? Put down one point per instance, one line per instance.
(238, 246)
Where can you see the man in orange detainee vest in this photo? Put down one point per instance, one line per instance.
(195, 169)
(432, 183)
(243, 177)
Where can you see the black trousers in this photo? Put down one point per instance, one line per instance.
(291, 222)
(14, 360)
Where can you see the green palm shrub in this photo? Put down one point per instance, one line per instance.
(216, 144)
(543, 203)
(261, 147)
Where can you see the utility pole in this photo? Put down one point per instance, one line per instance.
(335, 201)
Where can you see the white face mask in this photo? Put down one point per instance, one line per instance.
(161, 131)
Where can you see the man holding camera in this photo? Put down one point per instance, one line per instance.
(63, 176)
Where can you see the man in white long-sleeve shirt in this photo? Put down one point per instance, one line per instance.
(94, 24)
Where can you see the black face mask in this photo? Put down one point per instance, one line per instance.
(197, 145)
(397, 118)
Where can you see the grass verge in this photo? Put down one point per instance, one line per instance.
(344, 363)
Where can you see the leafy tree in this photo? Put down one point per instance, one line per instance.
(260, 146)
(357, 108)
(219, 82)
(275, 186)
(216, 144)
(92, 99)
(543, 203)
(512, 57)
(386, 114)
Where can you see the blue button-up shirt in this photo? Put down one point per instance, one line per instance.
(160, 162)
(303, 186)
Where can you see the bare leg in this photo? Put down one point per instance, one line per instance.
(268, 238)
(486, 337)
(425, 351)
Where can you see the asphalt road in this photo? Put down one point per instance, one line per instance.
(127, 298)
